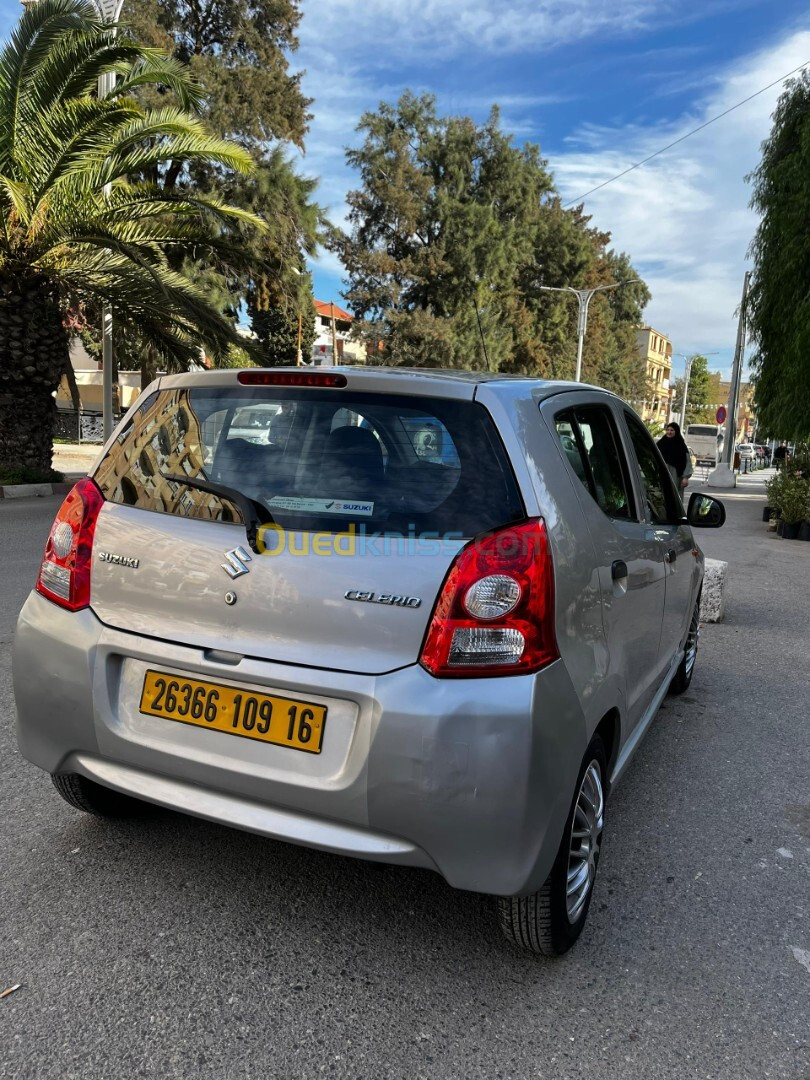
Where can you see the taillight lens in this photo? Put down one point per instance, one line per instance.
(64, 576)
(495, 613)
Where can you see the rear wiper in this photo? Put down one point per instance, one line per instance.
(249, 508)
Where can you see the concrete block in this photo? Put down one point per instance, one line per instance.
(713, 598)
(26, 491)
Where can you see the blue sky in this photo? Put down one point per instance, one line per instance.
(598, 84)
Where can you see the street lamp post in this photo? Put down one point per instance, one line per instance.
(687, 371)
(584, 298)
(109, 10)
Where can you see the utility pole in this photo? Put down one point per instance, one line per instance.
(584, 297)
(299, 358)
(334, 333)
(723, 474)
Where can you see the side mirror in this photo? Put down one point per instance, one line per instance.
(705, 512)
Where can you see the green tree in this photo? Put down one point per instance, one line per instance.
(279, 288)
(277, 331)
(239, 53)
(779, 300)
(698, 396)
(452, 232)
(237, 50)
(76, 230)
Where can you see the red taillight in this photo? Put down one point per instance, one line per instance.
(291, 378)
(495, 613)
(64, 576)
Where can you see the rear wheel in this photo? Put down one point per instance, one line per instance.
(549, 921)
(92, 798)
(683, 676)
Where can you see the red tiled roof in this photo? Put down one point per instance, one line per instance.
(324, 309)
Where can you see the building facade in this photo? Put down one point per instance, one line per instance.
(333, 327)
(656, 351)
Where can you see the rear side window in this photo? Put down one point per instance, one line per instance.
(316, 460)
(588, 438)
(662, 503)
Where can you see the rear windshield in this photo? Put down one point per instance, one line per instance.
(321, 460)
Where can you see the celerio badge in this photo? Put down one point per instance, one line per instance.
(391, 599)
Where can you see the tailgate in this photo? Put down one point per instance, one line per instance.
(289, 607)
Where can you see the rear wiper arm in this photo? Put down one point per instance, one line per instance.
(249, 508)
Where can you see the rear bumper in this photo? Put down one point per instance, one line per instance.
(472, 778)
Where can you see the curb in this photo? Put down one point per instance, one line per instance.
(28, 491)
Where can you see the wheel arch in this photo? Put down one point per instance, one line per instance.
(609, 730)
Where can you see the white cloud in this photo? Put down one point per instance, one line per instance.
(684, 217)
(444, 28)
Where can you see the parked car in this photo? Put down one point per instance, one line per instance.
(438, 652)
(253, 423)
(748, 457)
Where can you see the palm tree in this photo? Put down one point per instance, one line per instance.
(76, 228)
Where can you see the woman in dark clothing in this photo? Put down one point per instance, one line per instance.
(676, 454)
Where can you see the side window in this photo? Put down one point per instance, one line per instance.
(663, 505)
(588, 438)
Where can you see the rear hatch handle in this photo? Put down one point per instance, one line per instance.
(249, 508)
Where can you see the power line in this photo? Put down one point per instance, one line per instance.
(694, 131)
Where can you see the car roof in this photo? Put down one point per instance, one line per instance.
(445, 382)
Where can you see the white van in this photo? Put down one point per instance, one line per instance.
(705, 441)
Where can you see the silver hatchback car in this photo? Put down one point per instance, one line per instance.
(426, 622)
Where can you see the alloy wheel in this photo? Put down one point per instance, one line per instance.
(586, 837)
(692, 641)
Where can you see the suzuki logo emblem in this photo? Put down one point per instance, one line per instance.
(235, 566)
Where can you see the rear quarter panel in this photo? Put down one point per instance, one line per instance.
(549, 493)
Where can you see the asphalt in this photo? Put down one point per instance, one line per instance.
(174, 948)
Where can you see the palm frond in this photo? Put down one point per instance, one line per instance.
(74, 213)
(39, 30)
(15, 195)
(157, 68)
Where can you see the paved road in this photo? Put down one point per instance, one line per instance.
(174, 948)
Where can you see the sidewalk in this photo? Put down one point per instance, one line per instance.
(74, 459)
(754, 555)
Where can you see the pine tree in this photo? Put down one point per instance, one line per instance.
(239, 52)
(452, 231)
(779, 301)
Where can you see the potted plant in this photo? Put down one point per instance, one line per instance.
(794, 497)
(800, 467)
(773, 489)
(804, 528)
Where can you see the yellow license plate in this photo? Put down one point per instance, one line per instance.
(283, 721)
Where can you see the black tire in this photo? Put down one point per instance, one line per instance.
(686, 668)
(92, 798)
(540, 923)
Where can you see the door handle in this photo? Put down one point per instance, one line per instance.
(618, 570)
(670, 556)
